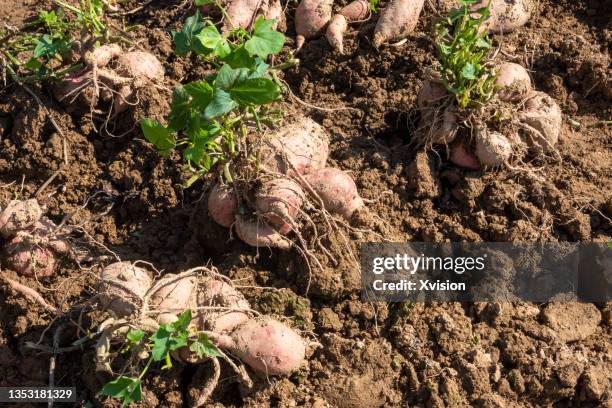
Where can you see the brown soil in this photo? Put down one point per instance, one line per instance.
(131, 200)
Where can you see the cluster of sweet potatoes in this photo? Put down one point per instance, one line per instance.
(291, 163)
(244, 13)
(265, 344)
(533, 123)
(314, 18)
(110, 74)
(31, 245)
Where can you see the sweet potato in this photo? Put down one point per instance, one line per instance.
(75, 91)
(311, 18)
(19, 215)
(242, 13)
(35, 250)
(492, 148)
(514, 82)
(397, 20)
(172, 296)
(542, 116)
(431, 94)
(23, 255)
(222, 205)
(335, 32)
(267, 346)
(354, 11)
(506, 15)
(258, 233)
(336, 189)
(122, 286)
(276, 12)
(136, 64)
(122, 99)
(462, 158)
(215, 293)
(279, 201)
(301, 146)
(101, 56)
(438, 123)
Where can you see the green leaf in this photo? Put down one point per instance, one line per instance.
(158, 135)
(239, 58)
(126, 389)
(33, 64)
(211, 39)
(265, 39)
(49, 18)
(161, 343)
(134, 336)
(182, 323)
(203, 347)
(255, 91)
(228, 77)
(184, 40)
(203, 2)
(202, 145)
(469, 71)
(201, 93)
(220, 104)
(261, 70)
(482, 43)
(45, 47)
(180, 109)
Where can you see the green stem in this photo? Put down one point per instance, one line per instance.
(146, 368)
(256, 117)
(292, 62)
(225, 15)
(69, 7)
(227, 173)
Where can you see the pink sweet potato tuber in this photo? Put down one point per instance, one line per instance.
(19, 215)
(335, 32)
(438, 123)
(102, 55)
(276, 12)
(222, 205)
(354, 11)
(301, 146)
(336, 189)
(122, 286)
(506, 15)
(257, 233)
(514, 82)
(219, 307)
(134, 64)
(311, 18)
(242, 13)
(279, 201)
(172, 295)
(542, 119)
(461, 157)
(35, 251)
(266, 345)
(397, 20)
(431, 94)
(492, 148)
